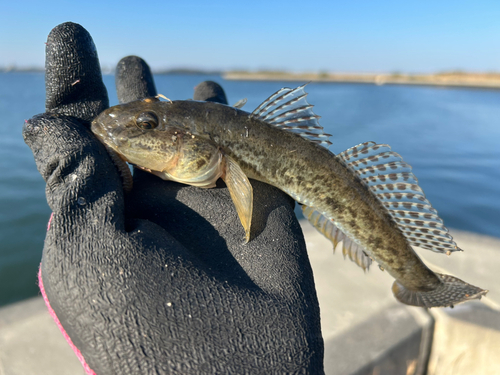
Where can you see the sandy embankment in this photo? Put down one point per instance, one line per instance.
(454, 79)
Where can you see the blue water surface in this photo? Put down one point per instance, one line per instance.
(451, 138)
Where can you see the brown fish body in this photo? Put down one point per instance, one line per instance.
(311, 175)
(306, 171)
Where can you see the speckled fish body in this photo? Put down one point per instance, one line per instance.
(378, 217)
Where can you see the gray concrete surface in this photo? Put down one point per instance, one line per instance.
(31, 343)
(467, 337)
(366, 330)
(394, 340)
(466, 341)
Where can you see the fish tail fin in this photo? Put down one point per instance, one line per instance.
(450, 292)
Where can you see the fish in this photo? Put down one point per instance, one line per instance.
(365, 197)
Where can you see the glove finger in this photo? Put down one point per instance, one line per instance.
(134, 80)
(72, 162)
(83, 185)
(73, 78)
(209, 91)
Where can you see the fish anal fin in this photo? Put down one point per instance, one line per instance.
(356, 253)
(450, 292)
(241, 192)
(328, 228)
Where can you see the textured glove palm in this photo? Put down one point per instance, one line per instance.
(161, 281)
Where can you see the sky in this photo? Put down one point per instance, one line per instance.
(328, 36)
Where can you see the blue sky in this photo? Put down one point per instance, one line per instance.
(346, 36)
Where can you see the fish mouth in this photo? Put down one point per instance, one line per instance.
(111, 136)
(99, 131)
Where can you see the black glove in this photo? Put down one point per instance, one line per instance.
(161, 280)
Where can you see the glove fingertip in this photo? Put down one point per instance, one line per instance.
(134, 80)
(73, 78)
(210, 91)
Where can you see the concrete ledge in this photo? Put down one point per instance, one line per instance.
(31, 343)
(466, 341)
(365, 330)
(396, 340)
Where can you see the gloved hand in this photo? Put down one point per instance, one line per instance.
(161, 280)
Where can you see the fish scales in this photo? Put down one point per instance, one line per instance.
(202, 141)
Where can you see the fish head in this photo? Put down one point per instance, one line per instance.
(137, 132)
(149, 134)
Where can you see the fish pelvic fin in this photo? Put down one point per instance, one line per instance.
(241, 193)
(450, 292)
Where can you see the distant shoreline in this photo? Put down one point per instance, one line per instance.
(468, 80)
(447, 79)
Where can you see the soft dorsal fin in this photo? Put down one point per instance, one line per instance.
(388, 177)
(289, 110)
(328, 228)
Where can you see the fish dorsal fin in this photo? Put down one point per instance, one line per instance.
(289, 110)
(328, 228)
(387, 176)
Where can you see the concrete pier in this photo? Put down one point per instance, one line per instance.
(366, 330)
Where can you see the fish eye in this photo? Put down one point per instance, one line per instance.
(146, 121)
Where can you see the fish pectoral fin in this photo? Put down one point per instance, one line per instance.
(241, 192)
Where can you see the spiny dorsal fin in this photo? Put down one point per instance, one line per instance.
(328, 228)
(386, 175)
(289, 110)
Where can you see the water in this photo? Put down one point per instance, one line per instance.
(451, 138)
